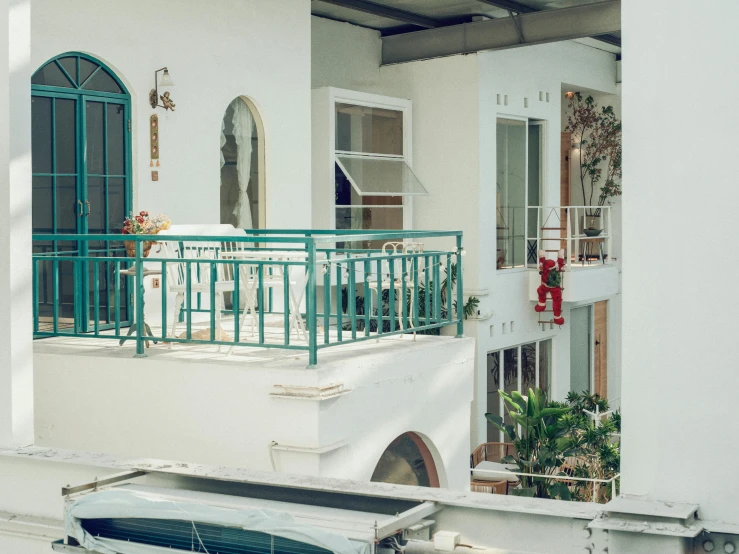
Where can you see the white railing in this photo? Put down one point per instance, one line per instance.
(596, 482)
(584, 232)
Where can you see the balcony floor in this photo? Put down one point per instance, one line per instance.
(183, 352)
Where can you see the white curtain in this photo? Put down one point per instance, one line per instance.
(243, 130)
(223, 142)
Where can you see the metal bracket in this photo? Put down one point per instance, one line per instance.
(517, 23)
(116, 478)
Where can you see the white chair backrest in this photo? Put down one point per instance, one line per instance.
(394, 248)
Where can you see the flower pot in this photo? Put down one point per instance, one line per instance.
(528, 492)
(131, 248)
(592, 232)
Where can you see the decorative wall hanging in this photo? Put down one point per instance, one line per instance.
(154, 139)
(551, 284)
(154, 97)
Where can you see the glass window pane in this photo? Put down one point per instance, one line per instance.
(116, 204)
(67, 206)
(86, 69)
(528, 367)
(403, 464)
(96, 207)
(545, 366)
(494, 400)
(380, 176)
(70, 66)
(41, 139)
(371, 217)
(95, 139)
(42, 205)
(510, 376)
(66, 135)
(103, 82)
(369, 130)
(580, 341)
(51, 75)
(510, 192)
(116, 139)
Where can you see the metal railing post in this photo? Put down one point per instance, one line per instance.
(311, 306)
(460, 289)
(139, 292)
(569, 239)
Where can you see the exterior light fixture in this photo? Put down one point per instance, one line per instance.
(164, 81)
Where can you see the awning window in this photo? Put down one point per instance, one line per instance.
(380, 175)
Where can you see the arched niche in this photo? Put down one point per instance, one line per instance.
(407, 461)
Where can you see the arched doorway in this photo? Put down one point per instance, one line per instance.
(81, 166)
(407, 461)
(242, 166)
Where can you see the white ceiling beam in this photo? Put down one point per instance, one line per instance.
(541, 27)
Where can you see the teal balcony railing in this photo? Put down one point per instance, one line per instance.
(298, 290)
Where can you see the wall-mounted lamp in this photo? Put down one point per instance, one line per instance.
(164, 81)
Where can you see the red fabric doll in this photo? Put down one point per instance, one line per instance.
(551, 283)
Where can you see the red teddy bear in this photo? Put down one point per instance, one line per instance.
(551, 283)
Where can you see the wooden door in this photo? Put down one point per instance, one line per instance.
(600, 385)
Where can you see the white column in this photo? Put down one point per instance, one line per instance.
(16, 349)
(680, 382)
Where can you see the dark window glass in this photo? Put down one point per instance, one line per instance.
(86, 69)
(116, 204)
(96, 207)
(70, 66)
(103, 82)
(494, 400)
(51, 75)
(95, 138)
(116, 139)
(67, 207)
(545, 369)
(41, 140)
(510, 376)
(402, 464)
(528, 367)
(66, 132)
(42, 205)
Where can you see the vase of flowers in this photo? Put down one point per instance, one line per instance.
(143, 224)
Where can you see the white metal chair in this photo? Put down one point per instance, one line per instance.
(383, 283)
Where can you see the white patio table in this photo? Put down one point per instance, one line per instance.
(296, 281)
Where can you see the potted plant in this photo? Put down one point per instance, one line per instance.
(143, 224)
(597, 130)
(539, 444)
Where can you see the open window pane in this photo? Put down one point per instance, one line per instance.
(380, 176)
(369, 130)
(510, 192)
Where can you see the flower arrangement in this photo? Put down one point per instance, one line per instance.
(143, 224)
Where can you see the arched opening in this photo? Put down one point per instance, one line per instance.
(242, 166)
(407, 461)
(81, 168)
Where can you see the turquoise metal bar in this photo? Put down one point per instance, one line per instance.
(286, 301)
(352, 297)
(449, 301)
(139, 288)
(188, 298)
(339, 302)
(96, 298)
(164, 301)
(415, 308)
(36, 301)
(236, 300)
(311, 306)
(260, 301)
(460, 289)
(367, 304)
(404, 293)
(57, 300)
(437, 289)
(378, 282)
(427, 293)
(75, 296)
(391, 293)
(326, 270)
(117, 278)
(213, 302)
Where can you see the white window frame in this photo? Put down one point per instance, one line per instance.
(344, 96)
(542, 180)
(501, 370)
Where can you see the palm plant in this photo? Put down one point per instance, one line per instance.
(538, 441)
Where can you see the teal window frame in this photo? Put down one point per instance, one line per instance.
(82, 96)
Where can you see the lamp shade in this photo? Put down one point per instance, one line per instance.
(166, 80)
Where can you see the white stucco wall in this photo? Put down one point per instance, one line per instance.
(215, 52)
(222, 412)
(679, 344)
